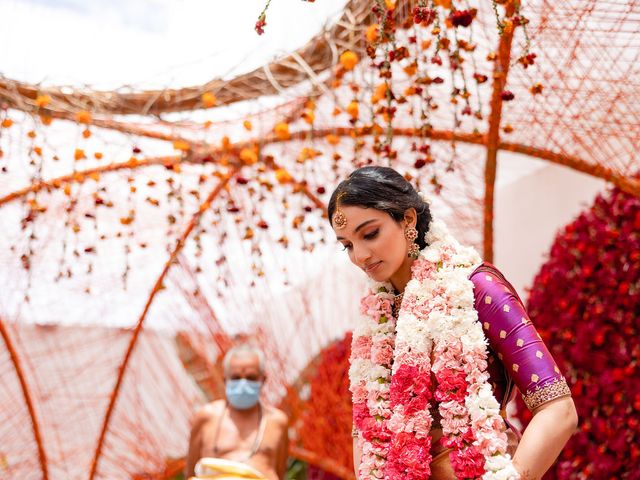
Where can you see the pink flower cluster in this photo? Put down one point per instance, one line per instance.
(453, 386)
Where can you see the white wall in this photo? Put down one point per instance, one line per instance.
(530, 211)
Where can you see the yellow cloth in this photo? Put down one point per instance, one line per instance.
(222, 469)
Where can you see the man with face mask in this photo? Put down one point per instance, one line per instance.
(239, 436)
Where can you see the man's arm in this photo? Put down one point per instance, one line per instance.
(283, 447)
(195, 443)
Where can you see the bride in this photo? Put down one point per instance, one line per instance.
(442, 342)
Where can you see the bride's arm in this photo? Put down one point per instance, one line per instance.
(552, 425)
(357, 454)
(529, 363)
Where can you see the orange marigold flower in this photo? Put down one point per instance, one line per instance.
(98, 155)
(46, 119)
(43, 100)
(442, 3)
(390, 4)
(283, 176)
(83, 117)
(373, 33)
(7, 122)
(349, 60)
(307, 153)
(67, 189)
(308, 116)
(86, 133)
(507, 26)
(507, 128)
(336, 111)
(37, 150)
(282, 131)
(209, 99)
(248, 156)
(31, 134)
(79, 154)
(411, 69)
(353, 109)
(380, 93)
(95, 176)
(182, 145)
(536, 89)
(207, 124)
(226, 143)
(332, 139)
(247, 125)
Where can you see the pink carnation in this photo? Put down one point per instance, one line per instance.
(452, 386)
(360, 413)
(402, 383)
(361, 347)
(382, 352)
(468, 463)
(360, 393)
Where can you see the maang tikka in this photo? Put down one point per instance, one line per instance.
(339, 219)
(411, 234)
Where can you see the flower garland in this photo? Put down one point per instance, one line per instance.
(391, 373)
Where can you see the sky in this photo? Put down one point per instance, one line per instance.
(149, 43)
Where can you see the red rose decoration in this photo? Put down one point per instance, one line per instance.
(585, 302)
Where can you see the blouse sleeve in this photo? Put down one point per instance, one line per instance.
(515, 340)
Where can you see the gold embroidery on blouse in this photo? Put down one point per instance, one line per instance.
(557, 388)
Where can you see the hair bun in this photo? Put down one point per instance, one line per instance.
(425, 198)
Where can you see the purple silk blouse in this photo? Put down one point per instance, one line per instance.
(517, 354)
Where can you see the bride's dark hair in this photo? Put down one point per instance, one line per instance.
(386, 190)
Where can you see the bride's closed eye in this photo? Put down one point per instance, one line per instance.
(372, 235)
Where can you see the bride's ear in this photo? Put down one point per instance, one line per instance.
(410, 217)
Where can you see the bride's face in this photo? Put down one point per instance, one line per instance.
(374, 241)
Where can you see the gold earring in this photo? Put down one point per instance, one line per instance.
(411, 234)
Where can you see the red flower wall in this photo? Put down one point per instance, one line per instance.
(585, 302)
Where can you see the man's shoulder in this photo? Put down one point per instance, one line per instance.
(277, 415)
(208, 411)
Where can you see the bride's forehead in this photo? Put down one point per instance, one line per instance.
(357, 212)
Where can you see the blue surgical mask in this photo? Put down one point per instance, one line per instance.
(242, 393)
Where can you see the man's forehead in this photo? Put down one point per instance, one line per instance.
(244, 360)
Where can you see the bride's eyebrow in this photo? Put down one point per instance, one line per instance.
(359, 227)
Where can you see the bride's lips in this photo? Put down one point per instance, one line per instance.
(373, 267)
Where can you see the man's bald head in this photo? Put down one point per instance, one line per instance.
(243, 358)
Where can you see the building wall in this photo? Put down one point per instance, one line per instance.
(530, 211)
